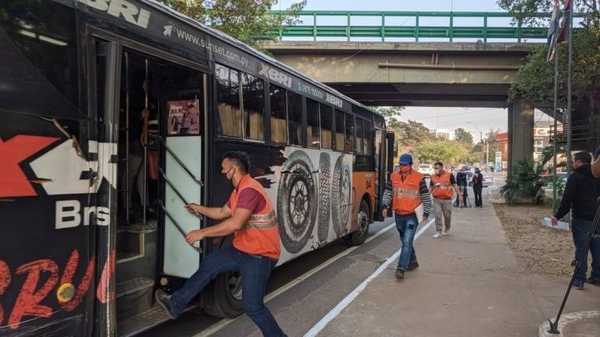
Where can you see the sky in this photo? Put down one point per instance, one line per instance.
(486, 119)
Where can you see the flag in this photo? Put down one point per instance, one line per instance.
(564, 23)
(552, 30)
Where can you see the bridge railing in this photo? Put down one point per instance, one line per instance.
(416, 30)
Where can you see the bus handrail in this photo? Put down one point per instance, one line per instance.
(196, 245)
(185, 168)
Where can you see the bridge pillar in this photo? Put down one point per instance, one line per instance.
(520, 132)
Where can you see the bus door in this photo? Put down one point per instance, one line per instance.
(184, 101)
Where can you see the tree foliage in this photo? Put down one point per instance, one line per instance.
(250, 21)
(462, 136)
(391, 114)
(411, 133)
(523, 10)
(446, 151)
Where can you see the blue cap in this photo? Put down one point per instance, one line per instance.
(406, 159)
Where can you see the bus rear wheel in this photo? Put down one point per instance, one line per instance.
(359, 236)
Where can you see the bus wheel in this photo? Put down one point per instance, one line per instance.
(296, 202)
(341, 204)
(226, 296)
(324, 196)
(359, 236)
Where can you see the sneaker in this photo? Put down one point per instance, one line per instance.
(445, 232)
(437, 234)
(164, 301)
(578, 285)
(594, 281)
(400, 274)
(412, 266)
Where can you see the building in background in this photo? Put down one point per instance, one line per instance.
(442, 134)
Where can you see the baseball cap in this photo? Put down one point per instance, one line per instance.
(405, 159)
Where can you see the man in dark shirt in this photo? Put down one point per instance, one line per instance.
(580, 195)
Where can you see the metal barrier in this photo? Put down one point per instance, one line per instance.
(416, 31)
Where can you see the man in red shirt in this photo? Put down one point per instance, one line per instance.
(250, 216)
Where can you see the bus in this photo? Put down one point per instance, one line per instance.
(114, 114)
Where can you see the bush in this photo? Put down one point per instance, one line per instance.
(524, 182)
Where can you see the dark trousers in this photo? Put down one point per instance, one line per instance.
(580, 231)
(255, 271)
(477, 192)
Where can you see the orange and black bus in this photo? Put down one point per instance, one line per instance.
(113, 115)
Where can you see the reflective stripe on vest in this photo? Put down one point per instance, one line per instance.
(406, 193)
(444, 190)
(261, 221)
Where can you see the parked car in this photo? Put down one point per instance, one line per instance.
(488, 180)
(549, 187)
(425, 169)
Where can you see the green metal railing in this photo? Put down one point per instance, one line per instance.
(416, 31)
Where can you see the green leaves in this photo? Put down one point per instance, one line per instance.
(249, 21)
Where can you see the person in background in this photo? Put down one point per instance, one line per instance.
(441, 187)
(596, 164)
(580, 195)
(478, 187)
(406, 190)
(250, 217)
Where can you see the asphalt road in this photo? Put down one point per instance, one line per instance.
(302, 291)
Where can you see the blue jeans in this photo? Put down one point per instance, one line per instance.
(255, 271)
(407, 227)
(580, 231)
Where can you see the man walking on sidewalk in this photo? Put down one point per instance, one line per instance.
(406, 190)
(441, 186)
(580, 195)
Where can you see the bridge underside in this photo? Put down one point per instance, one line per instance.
(426, 94)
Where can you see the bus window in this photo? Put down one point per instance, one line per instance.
(368, 137)
(326, 126)
(312, 123)
(339, 130)
(295, 118)
(228, 102)
(360, 148)
(349, 133)
(254, 106)
(278, 115)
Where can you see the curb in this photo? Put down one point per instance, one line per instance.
(565, 320)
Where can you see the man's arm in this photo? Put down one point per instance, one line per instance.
(456, 188)
(386, 201)
(215, 213)
(567, 198)
(596, 167)
(425, 198)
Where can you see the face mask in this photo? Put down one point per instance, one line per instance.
(405, 169)
(438, 172)
(227, 175)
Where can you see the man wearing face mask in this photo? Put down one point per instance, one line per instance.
(250, 216)
(406, 190)
(441, 186)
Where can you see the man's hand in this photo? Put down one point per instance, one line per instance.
(384, 212)
(425, 217)
(554, 221)
(193, 208)
(145, 114)
(195, 235)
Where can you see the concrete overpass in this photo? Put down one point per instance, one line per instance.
(421, 74)
(410, 74)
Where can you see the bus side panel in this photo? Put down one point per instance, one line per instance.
(46, 264)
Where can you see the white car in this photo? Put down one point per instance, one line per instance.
(425, 169)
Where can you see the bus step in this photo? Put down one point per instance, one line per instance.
(150, 227)
(134, 296)
(143, 321)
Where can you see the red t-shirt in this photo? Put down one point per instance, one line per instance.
(251, 200)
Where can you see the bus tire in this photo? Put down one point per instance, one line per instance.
(359, 236)
(226, 299)
(341, 196)
(296, 201)
(324, 196)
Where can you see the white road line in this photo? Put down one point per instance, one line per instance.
(226, 321)
(348, 299)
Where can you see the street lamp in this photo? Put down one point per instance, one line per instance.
(487, 145)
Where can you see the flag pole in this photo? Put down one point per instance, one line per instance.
(555, 138)
(569, 86)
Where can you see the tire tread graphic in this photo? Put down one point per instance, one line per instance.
(324, 196)
(340, 196)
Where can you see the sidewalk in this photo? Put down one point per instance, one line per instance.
(468, 284)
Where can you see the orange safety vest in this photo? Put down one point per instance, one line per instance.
(260, 235)
(444, 189)
(406, 193)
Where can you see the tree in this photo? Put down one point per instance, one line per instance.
(535, 79)
(445, 151)
(391, 114)
(411, 133)
(250, 21)
(462, 136)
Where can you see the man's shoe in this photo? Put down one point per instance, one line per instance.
(594, 281)
(445, 232)
(164, 301)
(437, 234)
(578, 285)
(412, 266)
(400, 274)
